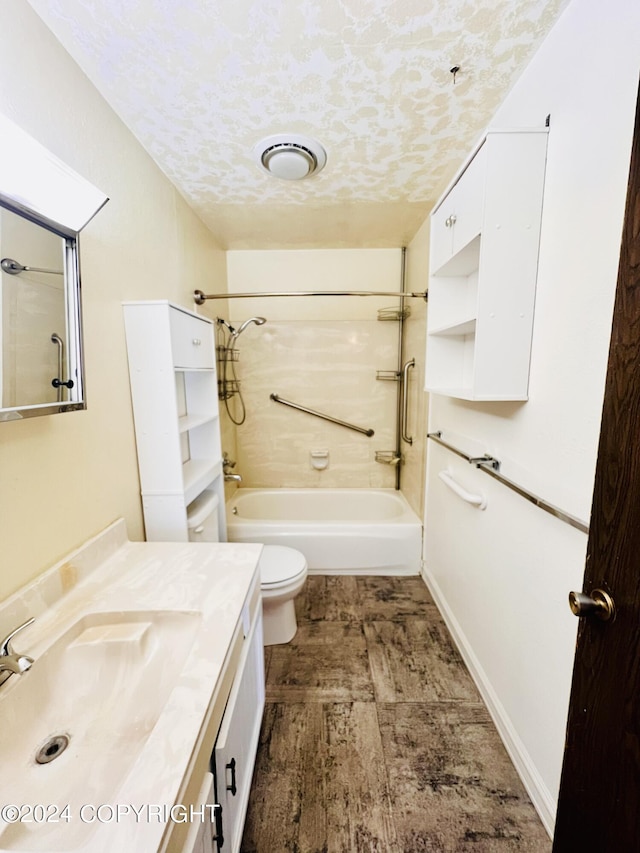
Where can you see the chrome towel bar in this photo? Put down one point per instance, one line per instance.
(491, 466)
(324, 417)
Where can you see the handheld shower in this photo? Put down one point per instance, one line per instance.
(257, 320)
(229, 384)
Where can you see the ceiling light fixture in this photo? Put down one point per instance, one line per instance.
(290, 156)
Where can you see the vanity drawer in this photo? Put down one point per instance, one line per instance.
(191, 341)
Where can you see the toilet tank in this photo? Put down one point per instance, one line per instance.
(202, 518)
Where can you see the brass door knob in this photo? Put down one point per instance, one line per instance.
(598, 604)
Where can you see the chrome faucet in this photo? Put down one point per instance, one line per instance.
(12, 662)
(228, 464)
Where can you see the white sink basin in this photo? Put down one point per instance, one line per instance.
(102, 685)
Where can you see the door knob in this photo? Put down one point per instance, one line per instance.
(598, 604)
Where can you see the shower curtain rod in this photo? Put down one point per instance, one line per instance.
(200, 297)
(15, 268)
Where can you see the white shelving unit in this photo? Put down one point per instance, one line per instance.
(485, 234)
(174, 391)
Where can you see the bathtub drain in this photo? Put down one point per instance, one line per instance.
(52, 748)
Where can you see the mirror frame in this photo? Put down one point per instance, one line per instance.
(37, 186)
(73, 312)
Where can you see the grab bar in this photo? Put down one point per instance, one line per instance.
(277, 399)
(405, 400)
(479, 501)
(491, 467)
(57, 340)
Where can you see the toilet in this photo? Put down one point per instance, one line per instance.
(283, 572)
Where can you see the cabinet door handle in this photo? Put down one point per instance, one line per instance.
(232, 767)
(217, 820)
(450, 221)
(196, 342)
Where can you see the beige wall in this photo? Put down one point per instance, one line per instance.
(65, 477)
(415, 330)
(321, 353)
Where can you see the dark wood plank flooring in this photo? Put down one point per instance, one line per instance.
(375, 738)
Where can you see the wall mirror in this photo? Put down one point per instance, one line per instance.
(43, 207)
(41, 341)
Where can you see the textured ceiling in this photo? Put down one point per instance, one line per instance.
(200, 83)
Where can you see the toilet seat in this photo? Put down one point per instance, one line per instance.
(279, 566)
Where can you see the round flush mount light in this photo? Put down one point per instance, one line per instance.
(290, 156)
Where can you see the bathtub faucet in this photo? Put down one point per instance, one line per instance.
(227, 466)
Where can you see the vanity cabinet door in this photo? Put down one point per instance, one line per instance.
(237, 742)
(200, 837)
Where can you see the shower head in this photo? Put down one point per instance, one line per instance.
(257, 320)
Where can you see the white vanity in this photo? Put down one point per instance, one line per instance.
(148, 658)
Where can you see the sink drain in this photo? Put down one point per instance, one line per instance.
(52, 748)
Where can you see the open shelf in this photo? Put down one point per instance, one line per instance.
(461, 328)
(463, 263)
(197, 474)
(191, 421)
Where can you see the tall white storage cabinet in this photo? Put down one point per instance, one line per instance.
(172, 369)
(485, 234)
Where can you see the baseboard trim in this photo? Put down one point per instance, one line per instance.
(382, 572)
(542, 800)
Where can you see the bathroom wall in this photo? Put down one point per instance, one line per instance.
(65, 477)
(502, 576)
(322, 353)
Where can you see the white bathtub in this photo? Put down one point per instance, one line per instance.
(340, 531)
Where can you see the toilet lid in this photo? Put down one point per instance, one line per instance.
(279, 563)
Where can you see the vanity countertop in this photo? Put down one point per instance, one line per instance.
(212, 583)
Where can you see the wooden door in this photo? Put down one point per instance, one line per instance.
(599, 804)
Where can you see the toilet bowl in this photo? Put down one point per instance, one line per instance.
(283, 572)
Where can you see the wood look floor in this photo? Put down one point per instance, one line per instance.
(375, 738)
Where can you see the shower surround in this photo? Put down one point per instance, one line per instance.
(327, 367)
(322, 353)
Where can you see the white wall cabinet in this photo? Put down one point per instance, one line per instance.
(175, 405)
(485, 234)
